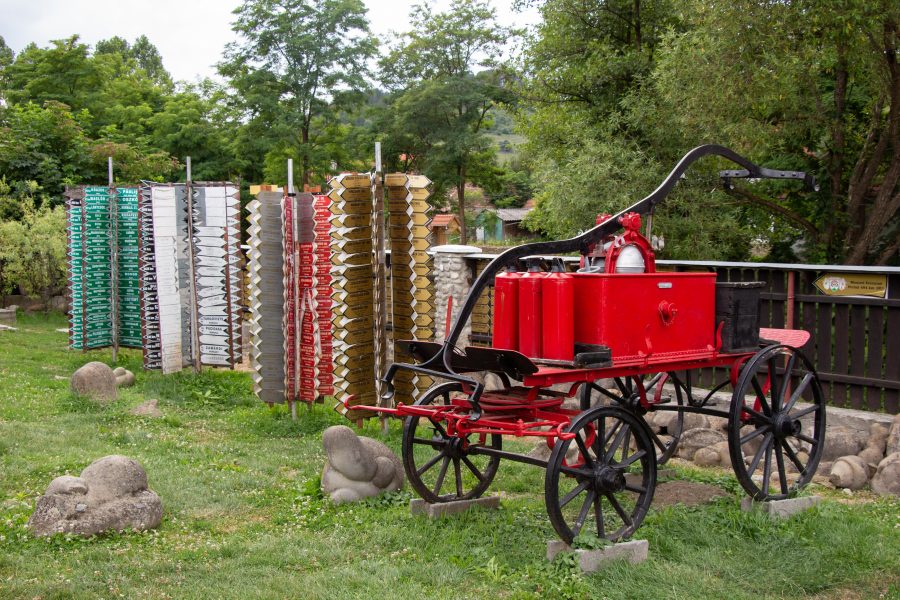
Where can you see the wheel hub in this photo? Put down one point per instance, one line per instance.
(609, 479)
(454, 447)
(784, 426)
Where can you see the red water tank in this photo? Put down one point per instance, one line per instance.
(558, 313)
(506, 310)
(530, 309)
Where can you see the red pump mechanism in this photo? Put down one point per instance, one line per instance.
(530, 289)
(506, 310)
(558, 318)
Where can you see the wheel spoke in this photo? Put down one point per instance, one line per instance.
(613, 430)
(786, 380)
(807, 439)
(755, 433)
(637, 489)
(473, 468)
(441, 475)
(631, 459)
(793, 457)
(457, 472)
(585, 508)
(600, 437)
(657, 442)
(574, 492)
(801, 387)
(584, 450)
(761, 396)
(439, 428)
(430, 463)
(609, 394)
(767, 469)
(759, 452)
(782, 473)
(759, 416)
(598, 515)
(805, 411)
(620, 437)
(430, 442)
(618, 508)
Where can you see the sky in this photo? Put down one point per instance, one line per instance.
(190, 34)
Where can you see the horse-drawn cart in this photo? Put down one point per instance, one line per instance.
(626, 341)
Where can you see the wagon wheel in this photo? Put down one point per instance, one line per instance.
(606, 488)
(769, 431)
(628, 394)
(436, 461)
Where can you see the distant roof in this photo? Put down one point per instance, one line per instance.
(508, 215)
(443, 220)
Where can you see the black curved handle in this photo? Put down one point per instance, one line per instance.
(581, 243)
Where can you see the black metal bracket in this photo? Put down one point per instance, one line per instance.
(441, 363)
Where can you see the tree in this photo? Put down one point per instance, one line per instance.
(46, 144)
(6, 59)
(810, 84)
(33, 252)
(296, 62)
(442, 104)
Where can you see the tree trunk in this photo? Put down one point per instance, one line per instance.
(836, 166)
(637, 24)
(461, 195)
(304, 132)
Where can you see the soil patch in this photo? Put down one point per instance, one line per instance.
(688, 493)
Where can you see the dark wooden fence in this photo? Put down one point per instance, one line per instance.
(855, 342)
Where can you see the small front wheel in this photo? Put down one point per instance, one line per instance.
(442, 467)
(597, 482)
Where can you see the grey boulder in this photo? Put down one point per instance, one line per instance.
(96, 381)
(887, 478)
(358, 467)
(110, 495)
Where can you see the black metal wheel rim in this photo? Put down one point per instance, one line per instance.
(595, 482)
(776, 427)
(442, 467)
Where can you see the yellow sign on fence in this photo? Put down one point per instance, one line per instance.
(852, 284)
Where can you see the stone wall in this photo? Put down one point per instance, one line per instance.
(452, 278)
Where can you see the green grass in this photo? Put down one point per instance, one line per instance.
(244, 517)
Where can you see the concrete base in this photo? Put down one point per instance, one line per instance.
(634, 551)
(781, 509)
(418, 506)
(8, 316)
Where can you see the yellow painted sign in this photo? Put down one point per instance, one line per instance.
(395, 179)
(352, 180)
(397, 194)
(351, 233)
(418, 181)
(852, 284)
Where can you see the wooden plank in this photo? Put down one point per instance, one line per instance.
(857, 352)
(824, 336)
(841, 351)
(778, 285)
(875, 356)
(892, 348)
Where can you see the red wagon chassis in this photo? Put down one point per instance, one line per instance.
(601, 469)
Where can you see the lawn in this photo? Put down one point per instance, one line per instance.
(244, 517)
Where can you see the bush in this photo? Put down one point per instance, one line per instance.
(33, 251)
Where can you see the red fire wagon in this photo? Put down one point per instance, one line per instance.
(626, 340)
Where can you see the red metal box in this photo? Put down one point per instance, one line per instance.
(645, 313)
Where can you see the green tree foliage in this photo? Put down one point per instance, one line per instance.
(33, 250)
(45, 143)
(299, 63)
(447, 79)
(805, 84)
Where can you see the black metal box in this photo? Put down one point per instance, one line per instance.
(737, 304)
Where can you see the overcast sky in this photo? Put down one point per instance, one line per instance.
(190, 34)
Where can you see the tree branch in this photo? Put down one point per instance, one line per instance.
(747, 197)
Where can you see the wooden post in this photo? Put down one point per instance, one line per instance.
(114, 258)
(195, 329)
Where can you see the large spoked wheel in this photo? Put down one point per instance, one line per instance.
(776, 424)
(597, 484)
(443, 467)
(629, 393)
